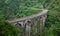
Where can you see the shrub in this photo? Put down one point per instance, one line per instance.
(56, 32)
(7, 29)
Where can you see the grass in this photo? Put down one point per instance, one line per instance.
(27, 11)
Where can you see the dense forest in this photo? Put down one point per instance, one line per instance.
(10, 9)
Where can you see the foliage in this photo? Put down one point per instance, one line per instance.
(57, 32)
(16, 8)
(53, 17)
(21, 8)
(7, 29)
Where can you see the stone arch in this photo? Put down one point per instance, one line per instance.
(18, 25)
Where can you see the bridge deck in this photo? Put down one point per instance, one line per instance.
(28, 17)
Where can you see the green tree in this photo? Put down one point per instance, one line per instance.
(7, 29)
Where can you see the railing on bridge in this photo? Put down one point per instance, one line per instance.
(31, 25)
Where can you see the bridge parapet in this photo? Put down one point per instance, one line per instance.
(36, 22)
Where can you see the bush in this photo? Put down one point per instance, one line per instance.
(57, 32)
(7, 29)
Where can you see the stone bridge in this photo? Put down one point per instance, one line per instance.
(34, 23)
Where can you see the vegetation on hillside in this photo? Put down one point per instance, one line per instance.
(7, 29)
(19, 8)
(10, 9)
(53, 21)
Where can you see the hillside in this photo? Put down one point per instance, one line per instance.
(18, 8)
(10, 9)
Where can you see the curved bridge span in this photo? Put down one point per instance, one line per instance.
(29, 22)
